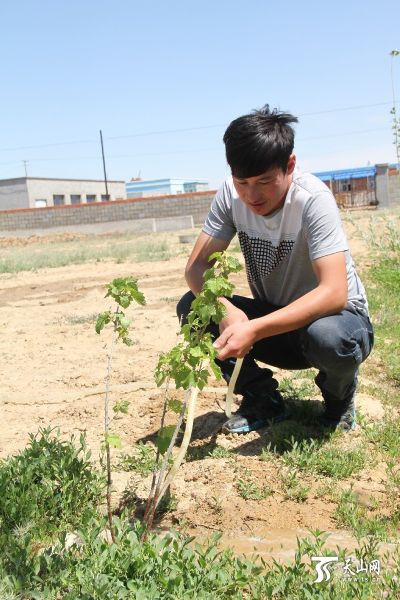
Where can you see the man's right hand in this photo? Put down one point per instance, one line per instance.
(233, 315)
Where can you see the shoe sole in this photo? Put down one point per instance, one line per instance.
(256, 425)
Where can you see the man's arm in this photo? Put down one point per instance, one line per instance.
(198, 259)
(329, 297)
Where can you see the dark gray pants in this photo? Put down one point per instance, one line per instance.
(335, 345)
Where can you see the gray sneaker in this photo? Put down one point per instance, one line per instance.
(256, 412)
(345, 420)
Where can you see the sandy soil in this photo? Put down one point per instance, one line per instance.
(53, 374)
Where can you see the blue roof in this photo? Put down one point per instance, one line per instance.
(355, 173)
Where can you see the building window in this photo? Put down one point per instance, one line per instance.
(40, 203)
(58, 199)
(75, 198)
(105, 197)
(90, 197)
(345, 186)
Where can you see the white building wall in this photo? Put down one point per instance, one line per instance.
(13, 194)
(45, 189)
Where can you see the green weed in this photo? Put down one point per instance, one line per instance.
(325, 459)
(385, 434)
(359, 519)
(249, 490)
(292, 488)
(47, 488)
(142, 460)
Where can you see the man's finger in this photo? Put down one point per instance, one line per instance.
(221, 341)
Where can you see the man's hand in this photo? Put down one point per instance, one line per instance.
(236, 340)
(233, 315)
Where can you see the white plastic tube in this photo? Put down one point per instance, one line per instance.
(191, 405)
(231, 387)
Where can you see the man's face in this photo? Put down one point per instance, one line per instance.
(265, 193)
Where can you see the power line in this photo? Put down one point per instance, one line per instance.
(182, 130)
(193, 150)
(322, 112)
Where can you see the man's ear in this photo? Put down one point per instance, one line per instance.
(291, 164)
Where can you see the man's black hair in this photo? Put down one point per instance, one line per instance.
(259, 141)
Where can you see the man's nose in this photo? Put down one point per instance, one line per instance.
(253, 195)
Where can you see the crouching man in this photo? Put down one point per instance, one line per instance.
(309, 307)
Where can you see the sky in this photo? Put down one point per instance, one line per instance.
(163, 79)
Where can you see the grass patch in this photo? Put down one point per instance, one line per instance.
(89, 249)
(384, 294)
(292, 488)
(210, 450)
(249, 490)
(313, 456)
(142, 461)
(50, 489)
(81, 319)
(385, 434)
(362, 521)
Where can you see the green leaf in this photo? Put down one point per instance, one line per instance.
(216, 370)
(175, 405)
(113, 439)
(164, 438)
(121, 407)
(196, 351)
(102, 320)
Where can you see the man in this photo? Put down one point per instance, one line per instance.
(309, 307)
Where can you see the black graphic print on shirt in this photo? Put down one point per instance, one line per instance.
(261, 256)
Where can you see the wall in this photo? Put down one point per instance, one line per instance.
(13, 193)
(45, 188)
(196, 204)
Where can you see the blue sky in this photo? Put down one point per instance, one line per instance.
(163, 79)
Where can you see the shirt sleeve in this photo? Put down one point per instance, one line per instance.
(323, 227)
(219, 222)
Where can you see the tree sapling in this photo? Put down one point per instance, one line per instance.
(124, 291)
(188, 364)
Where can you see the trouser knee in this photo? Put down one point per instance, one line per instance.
(328, 348)
(183, 306)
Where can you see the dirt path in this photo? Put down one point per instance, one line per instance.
(53, 372)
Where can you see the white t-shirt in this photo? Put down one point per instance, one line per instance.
(278, 248)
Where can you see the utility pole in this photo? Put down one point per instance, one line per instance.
(26, 170)
(104, 164)
(396, 120)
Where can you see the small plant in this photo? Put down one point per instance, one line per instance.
(216, 505)
(142, 461)
(249, 490)
(361, 520)
(314, 457)
(123, 291)
(48, 488)
(292, 488)
(188, 364)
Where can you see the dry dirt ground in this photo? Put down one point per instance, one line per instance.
(53, 369)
